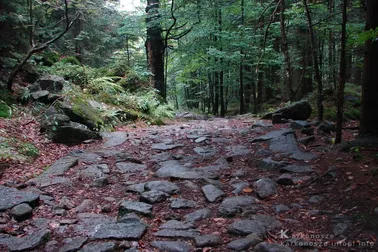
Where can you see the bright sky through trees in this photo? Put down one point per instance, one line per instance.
(130, 5)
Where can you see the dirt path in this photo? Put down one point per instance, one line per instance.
(202, 185)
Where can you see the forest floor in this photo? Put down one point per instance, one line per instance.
(195, 185)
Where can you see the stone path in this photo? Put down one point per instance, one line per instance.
(214, 184)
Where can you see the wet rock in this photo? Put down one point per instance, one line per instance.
(172, 246)
(244, 243)
(130, 167)
(177, 203)
(114, 138)
(173, 169)
(198, 215)
(163, 186)
(263, 152)
(269, 164)
(299, 124)
(21, 212)
(139, 188)
(316, 199)
(99, 247)
(11, 197)
(269, 222)
(153, 196)
(207, 240)
(25, 243)
(265, 188)
(177, 233)
(212, 193)
(285, 179)
(297, 169)
(175, 224)
(72, 244)
(131, 230)
(340, 228)
(165, 147)
(281, 208)
(86, 205)
(246, 227)
(271, 247)
(136, 207)
(235, 205)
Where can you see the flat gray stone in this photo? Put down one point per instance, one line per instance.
(99, 247)
(11, 197)
(299, 124)
(130, 167)
(172, 246)
(161, 157)
(133, 230)
(200, 139)
(153, 196)
(269, 222)
(273, 134)
(139, 188)
(177, 203)
(95, 171)
(316, 199)
(25, 243)
(263, 152)
(246, 227)
(244, 243)
(173, 169)
(43, 182)
(235, 205)
(61, 166)
(281, 208)
(87, 157)
(72, 244)
(165, 147)
(270, 164)
(163, 186)
(88, 222)
(212, 193)
(207, 240)
(198, 215)
(237, 151)
(175, 224)
(285, 179)
(177, 233)
(297, 169)
(205, 152)
(21, 212)
(136, 207)
(271, 247)
(265, 187)
(112, 139)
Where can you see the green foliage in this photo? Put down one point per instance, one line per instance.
(5, 110)
(16, 150)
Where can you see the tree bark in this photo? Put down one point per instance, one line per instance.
(315, 61)
(155, 47)
(342, 76)
(288, 94)
(369, 105)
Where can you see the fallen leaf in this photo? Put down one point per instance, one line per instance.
(247, 190)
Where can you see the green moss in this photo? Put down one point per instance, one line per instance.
(352, 113)
(15, 149)
(71, 60)
(330, 113)
(82, 108)
(5, 110)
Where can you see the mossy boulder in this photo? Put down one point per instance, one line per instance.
(296, 111)
(5, 110)
(80, 111)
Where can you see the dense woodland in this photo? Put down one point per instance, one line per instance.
(217, 57)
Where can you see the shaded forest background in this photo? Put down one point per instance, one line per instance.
(217, 57)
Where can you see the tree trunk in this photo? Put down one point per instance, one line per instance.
(241, 67)
(288, 93)
(155, 47)
(342, 76)
(316, 64)
(369, 104)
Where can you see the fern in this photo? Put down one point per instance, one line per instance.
(104, 84)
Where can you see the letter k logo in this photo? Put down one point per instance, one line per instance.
(283, 234)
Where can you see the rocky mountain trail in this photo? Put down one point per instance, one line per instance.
(211, 184)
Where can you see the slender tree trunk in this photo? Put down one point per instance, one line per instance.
(369, 105)
(316, 64)
(155, 46)
(241, 67)
(288, 94)
(342, 76)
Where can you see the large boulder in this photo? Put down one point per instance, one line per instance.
(47, 88)
(81, 111)
(297, 111)
(72, 133)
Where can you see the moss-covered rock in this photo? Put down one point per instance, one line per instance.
(5, 110)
